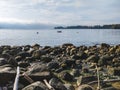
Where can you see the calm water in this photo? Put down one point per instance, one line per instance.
(52, 38)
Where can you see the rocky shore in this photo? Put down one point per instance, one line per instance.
(64, 67)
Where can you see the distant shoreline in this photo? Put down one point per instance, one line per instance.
(112, 26)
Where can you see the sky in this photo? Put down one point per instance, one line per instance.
(60, 12)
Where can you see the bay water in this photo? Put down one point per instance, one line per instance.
(52, 37)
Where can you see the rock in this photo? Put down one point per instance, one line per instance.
(27, 47)
(23, 64)
(36, 86)
(105, 59)
(67, 44)
(69, 63)
(36, 54)
(69, 87)
(24, 54)
(110, 88)
(104, 45)
(3, 61)
(13, 62)
(93, 58)
(66, 76)
(7, 73)
(36, 46)
(53, 65)
(18, 58)
(86, 79)
(5, 55)
(45, 58)
(57, 84)
(82, 55)
(76, 57)
(39, 72)
(85, 87)
(114, 71)
(75, 72)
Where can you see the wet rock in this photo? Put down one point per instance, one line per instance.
(57, 84)
(66, 76)
(85, 87)
(36, 86)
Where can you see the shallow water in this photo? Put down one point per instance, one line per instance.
(52, 37)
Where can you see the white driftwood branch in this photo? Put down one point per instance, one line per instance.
(16, 79)
(48, 85)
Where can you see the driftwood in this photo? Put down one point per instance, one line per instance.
(48, 85)
(98, 76)
(28, 78)
(16, 79)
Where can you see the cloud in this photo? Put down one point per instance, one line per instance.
(60, 11)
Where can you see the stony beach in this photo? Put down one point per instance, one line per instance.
(63, 67)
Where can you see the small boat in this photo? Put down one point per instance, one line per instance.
(37, 32)
(59, 31)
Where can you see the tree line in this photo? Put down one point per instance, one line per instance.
(112, 26)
